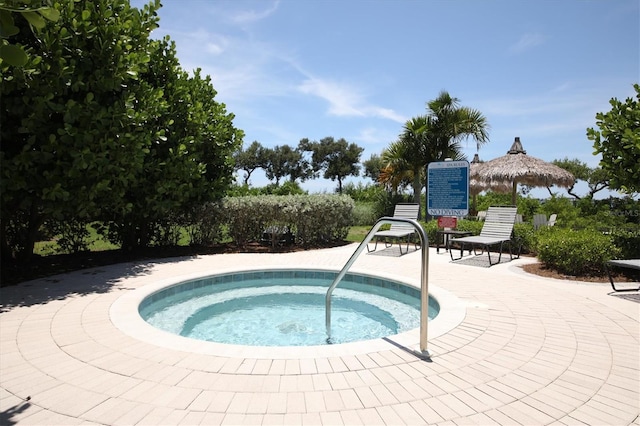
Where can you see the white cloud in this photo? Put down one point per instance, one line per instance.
(213, 48)
(342, 99)
(389, 114)
(251, 16)
(370, 135)
(527, 41)
(345, 100)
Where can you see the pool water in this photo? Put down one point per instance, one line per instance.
(285, 308)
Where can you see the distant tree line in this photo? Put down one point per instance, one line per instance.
(332, 159)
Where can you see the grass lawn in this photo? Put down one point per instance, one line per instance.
(357, 233)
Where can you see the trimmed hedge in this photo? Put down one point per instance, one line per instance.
(313, 219)
(570, 252)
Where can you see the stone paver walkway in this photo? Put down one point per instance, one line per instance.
(526, 350)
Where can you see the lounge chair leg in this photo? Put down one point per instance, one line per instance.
(499, 255)
(375, 247)
(450, 248)
(613, 286)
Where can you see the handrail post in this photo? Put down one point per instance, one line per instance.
(424, 277)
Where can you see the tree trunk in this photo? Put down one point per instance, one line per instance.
(416, 191)
(5, 249)
(30, 234)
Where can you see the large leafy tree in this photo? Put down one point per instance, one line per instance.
(102, 124)
(283, 160)
(251, 159)
(373, 167)
(595, 177)
(190, 164)
(618, 140)
(337, 159)
(70, 135)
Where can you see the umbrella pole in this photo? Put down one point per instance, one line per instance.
(513, 193)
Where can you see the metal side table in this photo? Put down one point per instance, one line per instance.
(446, 234)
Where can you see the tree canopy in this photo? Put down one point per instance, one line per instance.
(373, 167)
(101, 123)
(282, 160)
(596, 178)
(337, 159)
(251, 159)
(618, 140)
(35, 14)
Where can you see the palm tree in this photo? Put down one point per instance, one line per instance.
(451, 123)
(432, 137)
(405, 158)
(395, 173)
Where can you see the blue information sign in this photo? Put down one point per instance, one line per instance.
(448, 188)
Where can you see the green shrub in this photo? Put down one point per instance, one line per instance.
(314, 219)
(168, 232)
(582, 252)
(474, 226)
(526, 238)
(364, 214)
(490, 198)
(318, 219)
(627, 239)
(73, 237)
(204, 224)
(563, 207)
(247, 217)
(527, 207)
(385, 203)
(287, 188)
(360, 192)
(430, 227)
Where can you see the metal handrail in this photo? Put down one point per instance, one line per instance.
(424, 277)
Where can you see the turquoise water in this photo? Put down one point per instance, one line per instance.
(285, 308)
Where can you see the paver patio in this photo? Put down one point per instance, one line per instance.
(525, 350)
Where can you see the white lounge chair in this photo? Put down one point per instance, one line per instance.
(399, 231)
(539, 220)
(497, 230)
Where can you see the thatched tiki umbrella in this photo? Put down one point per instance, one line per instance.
(518, 167)
(476, 186)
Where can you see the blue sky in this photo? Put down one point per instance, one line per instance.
(358, 69)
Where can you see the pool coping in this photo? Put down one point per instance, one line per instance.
(125, 316)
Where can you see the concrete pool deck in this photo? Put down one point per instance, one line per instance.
(526, 350)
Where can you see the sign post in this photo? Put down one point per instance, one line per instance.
(448, 188)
